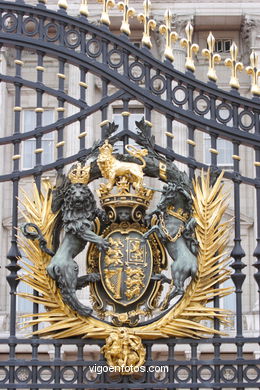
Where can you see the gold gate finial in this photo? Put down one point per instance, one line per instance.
(148, 24)
(63, 4)
(171, 36)
(234, 65)
(128, 13)
(191, 47)
(106, 5)
(212, 57)
(254, 72)
(84, 8)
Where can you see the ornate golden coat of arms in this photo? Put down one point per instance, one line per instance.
(150, 271)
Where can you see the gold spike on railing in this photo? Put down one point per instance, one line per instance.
(191, 47)
(106, 5)
(63, 4)
(128, 13)
(84, 8)
(214, 58)
(254, 72)
(234, 65)
(148, 24)
(171, 36)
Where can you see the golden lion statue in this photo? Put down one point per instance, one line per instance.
(111, 168)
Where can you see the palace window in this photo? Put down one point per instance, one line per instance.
(29, 146)
(223, 45)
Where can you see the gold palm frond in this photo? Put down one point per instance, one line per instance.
(183, 320)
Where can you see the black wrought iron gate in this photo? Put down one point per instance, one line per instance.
(122, 74)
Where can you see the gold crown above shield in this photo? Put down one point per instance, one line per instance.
(79, 174)
(123, 175)
(123, 196)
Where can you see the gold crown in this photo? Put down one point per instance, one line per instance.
(124, 197)
(79, 174)
(180, 214)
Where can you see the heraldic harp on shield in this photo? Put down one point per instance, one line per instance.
(151, 266)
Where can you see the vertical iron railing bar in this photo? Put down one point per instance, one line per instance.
(126, 123)
(256, 120)
(238, 277)
(60, 109)
(217, 359)
(82, 122)
(34, 367)
(38, 175)
(125, 101)
(169, 119)
(237, 253)
(235, 116)
(147, 77)
(148, 116)
(213, 152)
(80, 359)
(38, 145)
(191, 134)
(57, 361)
(194, 364)
(104, 107)
(169, 129)
(257, 249)
(14, 252)
(216, 300)
(41, 24)
(149, 361)
(191, 151)
(105, 83)
(102, 376)
(171, 366)
(19, 29)
(212, 107)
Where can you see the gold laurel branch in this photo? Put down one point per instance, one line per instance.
(184, 319)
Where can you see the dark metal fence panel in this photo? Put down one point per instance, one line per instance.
(179, 98)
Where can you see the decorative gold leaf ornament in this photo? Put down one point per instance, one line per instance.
(149, 24)
(254, 72)
(63, 4)
(191, 47)
(171, 36)
(106, 5)
(183, 320)
(129, 12)
(212, 57)
(84, 8)
(234, 65)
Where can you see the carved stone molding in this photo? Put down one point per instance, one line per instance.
(248, 34)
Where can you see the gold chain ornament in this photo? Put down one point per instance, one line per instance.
(167, 234)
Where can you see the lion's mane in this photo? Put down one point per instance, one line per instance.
(77, 220)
